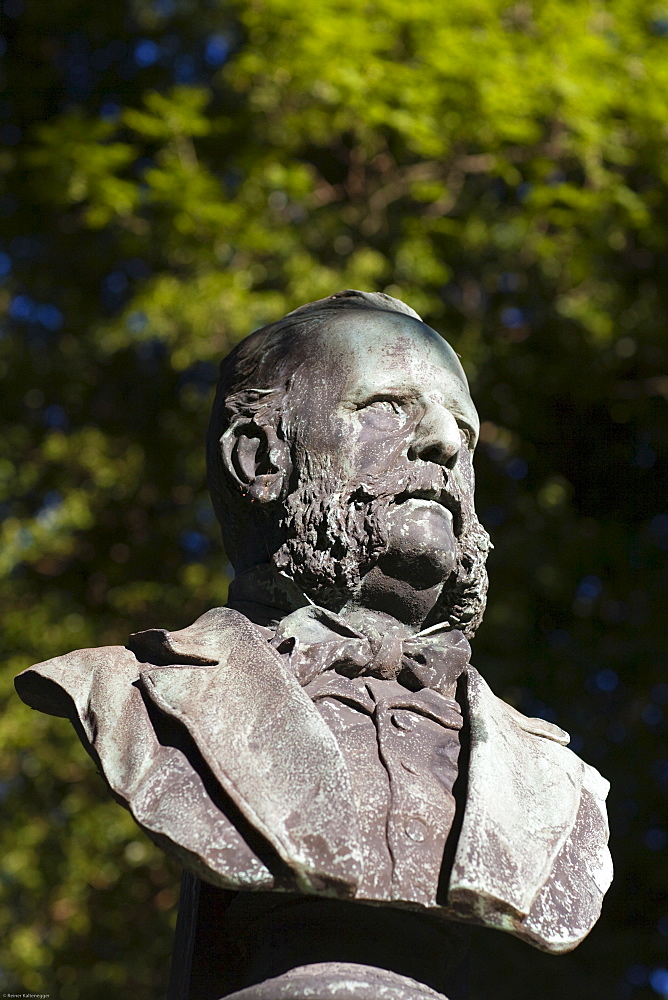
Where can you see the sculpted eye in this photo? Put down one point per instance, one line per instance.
(384, 414)
(468, 435)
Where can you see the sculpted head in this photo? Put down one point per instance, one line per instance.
(340, 452)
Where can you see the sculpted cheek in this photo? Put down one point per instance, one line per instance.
(380, 452)
(376, 457)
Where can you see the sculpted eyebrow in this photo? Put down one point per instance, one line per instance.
(386, 395)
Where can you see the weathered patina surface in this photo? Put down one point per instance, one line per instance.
(325, 733)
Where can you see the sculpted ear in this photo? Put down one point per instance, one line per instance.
(257, 459)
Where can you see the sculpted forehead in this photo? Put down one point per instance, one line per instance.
(367, 352)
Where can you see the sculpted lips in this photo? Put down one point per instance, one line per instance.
(436, 496)
(423, 482)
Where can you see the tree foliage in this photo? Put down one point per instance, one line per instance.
(176, 173)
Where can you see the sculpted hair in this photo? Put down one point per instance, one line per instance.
(254, 379)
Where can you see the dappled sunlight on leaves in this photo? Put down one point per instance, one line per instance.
(175, 175)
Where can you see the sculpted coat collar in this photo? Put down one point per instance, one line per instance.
(315, 639)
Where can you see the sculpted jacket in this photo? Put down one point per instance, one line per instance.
(237, 768)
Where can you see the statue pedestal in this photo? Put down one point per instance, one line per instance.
(338, 981)
(282, 946)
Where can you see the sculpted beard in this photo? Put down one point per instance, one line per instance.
(335, 535)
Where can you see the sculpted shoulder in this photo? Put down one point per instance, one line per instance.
(58, 685)
(529, 798)
(184, 717)
(52, 685)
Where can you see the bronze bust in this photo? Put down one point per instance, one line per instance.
(325, 734)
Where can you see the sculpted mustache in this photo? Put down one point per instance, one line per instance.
(396, 487)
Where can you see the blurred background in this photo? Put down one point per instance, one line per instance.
(175, 173)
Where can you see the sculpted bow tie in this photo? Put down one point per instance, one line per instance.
(316, 640)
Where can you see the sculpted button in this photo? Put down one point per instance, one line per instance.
(404, 721)
(416, 830)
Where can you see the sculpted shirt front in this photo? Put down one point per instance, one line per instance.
(401, 748)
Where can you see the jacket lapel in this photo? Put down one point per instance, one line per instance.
(266, 745)
(522, 801)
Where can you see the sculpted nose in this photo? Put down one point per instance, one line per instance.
(436, 438)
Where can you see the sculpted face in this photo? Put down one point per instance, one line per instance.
(340, 452)
(381, 377)
(382, 428)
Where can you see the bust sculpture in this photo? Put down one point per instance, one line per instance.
(324, 735)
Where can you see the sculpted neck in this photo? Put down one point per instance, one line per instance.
(395, 598)
(383, 604)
